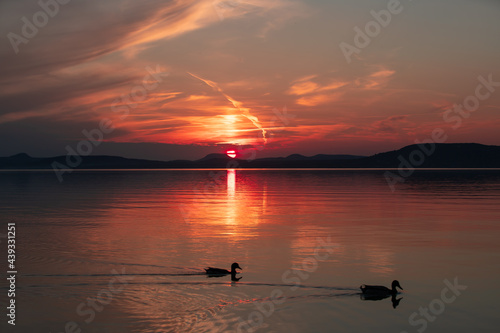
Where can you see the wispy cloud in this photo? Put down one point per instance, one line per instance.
(316, 89)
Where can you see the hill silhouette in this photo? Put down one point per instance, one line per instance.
(450, 155)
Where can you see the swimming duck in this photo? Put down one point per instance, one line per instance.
(221, 271)
(381, 290)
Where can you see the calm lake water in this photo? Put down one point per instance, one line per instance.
(124, 251)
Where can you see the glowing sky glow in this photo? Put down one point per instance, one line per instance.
(237, 105)
(232, 69)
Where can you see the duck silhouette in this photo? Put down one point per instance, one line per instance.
(380, 290)
(220, 271)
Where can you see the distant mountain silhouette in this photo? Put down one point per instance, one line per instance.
(213, 156)
(453, 155)
(20, 157)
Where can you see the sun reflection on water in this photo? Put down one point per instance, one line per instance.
(231, 183)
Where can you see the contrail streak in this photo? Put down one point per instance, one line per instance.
(238, 105)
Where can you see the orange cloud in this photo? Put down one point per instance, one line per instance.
(318, 99)
(302, 88)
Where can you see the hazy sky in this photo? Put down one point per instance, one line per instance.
(266, 73)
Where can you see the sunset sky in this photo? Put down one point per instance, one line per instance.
(267, 74)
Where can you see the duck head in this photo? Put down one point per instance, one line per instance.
(234, 266)
(395, 284)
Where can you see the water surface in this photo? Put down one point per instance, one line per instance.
(124, 251)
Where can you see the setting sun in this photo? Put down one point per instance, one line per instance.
(231, 153)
